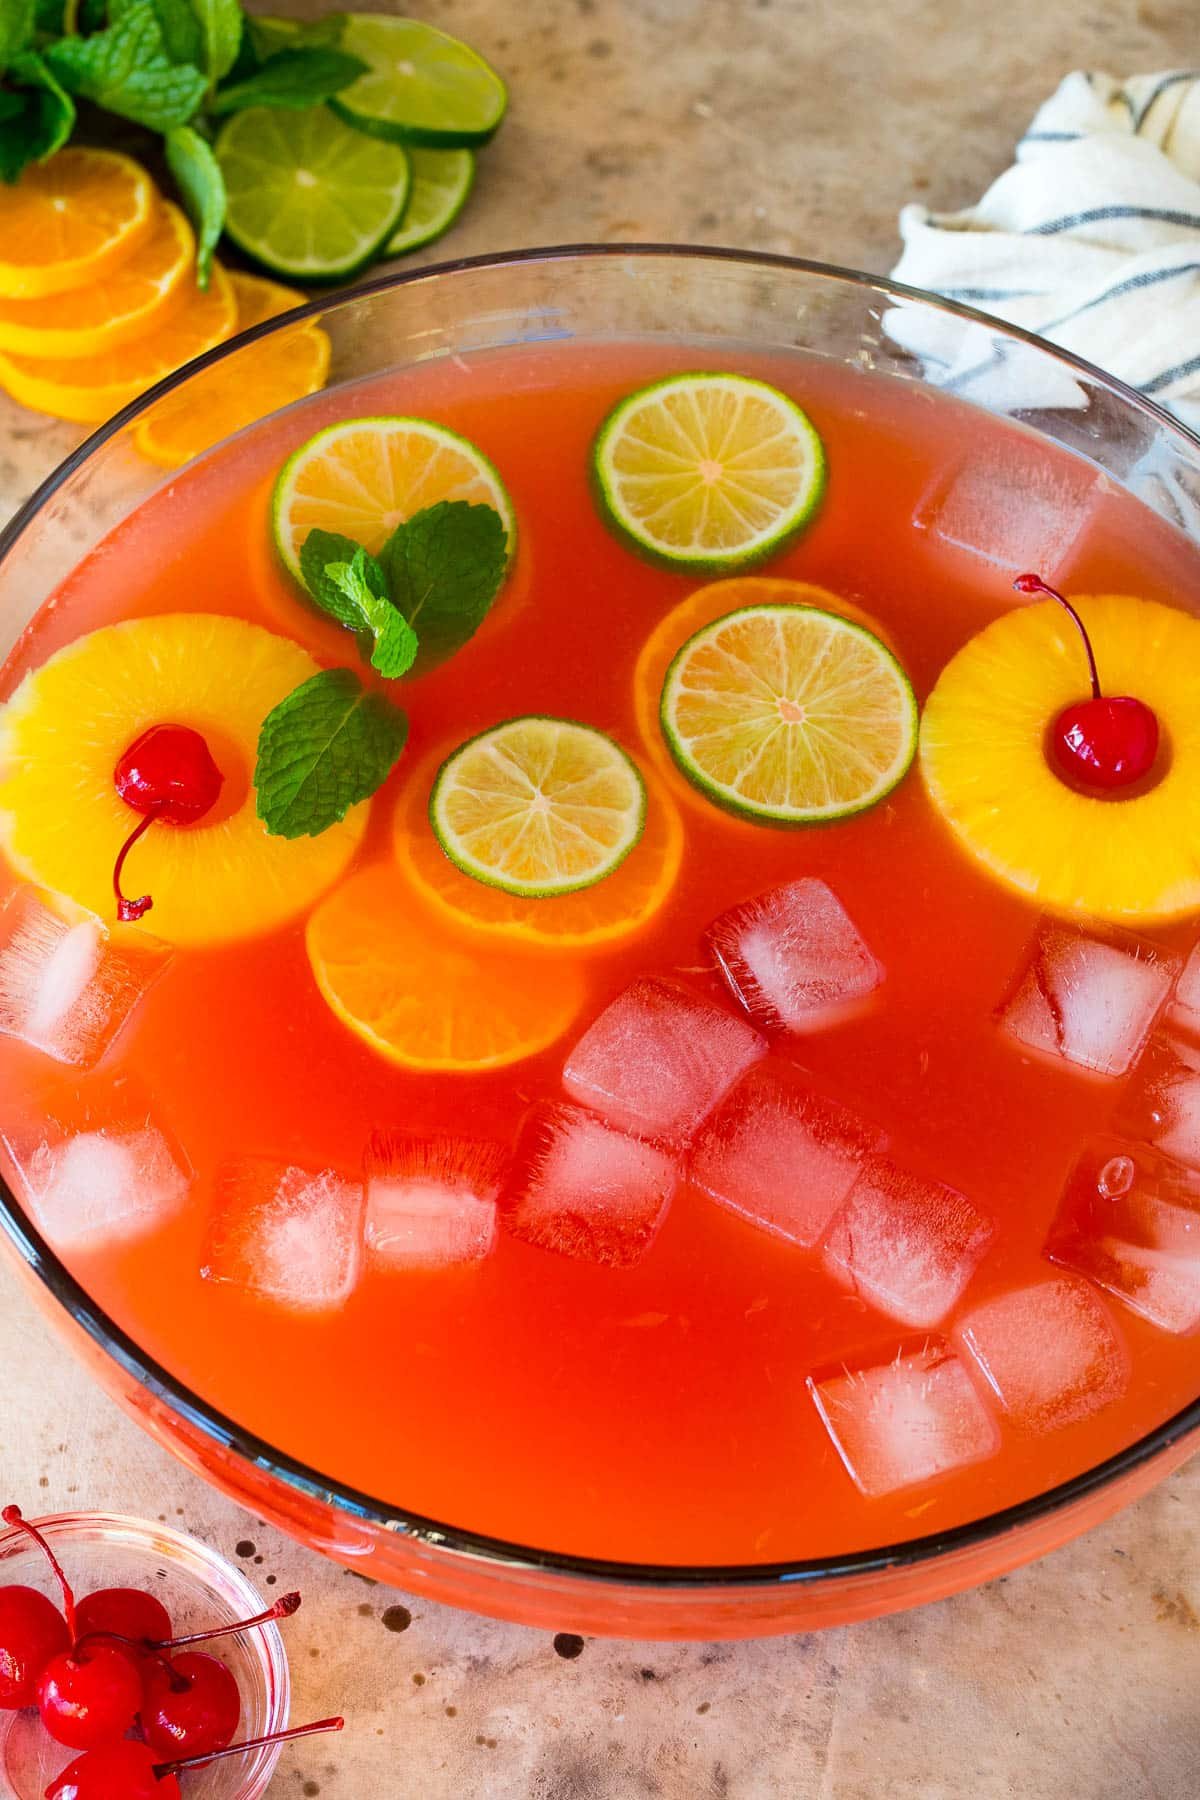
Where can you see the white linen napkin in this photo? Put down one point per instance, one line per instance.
(1091, 239)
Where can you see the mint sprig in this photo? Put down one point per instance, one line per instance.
(324, 748)
(126, 70)
(295, 78)
(199, 180)
(348, 584)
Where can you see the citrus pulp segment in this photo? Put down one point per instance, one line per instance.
(441, 182)
(421, 86)
(983, 758)
(789, 715)
(103, 314)
(608, 912)
(71, 220)
(424, 998)
(710, 472)
(363, 477)
(70, 721)
(307, 196)
(90, 389)
(538, 806)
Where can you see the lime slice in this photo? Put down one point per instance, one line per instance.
(421, 86)
(441, 181)
(538, 806)
(789, 715)
(307, 196)
(364, 476)
(709, 472)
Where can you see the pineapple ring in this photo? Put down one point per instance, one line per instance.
(62, 822)
(983, 758)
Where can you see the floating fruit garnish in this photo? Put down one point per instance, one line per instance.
(72, 721)
(787, 715)
(1109, 741)
(997, 764)
(168, 773)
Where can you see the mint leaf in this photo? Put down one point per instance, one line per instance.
(127, 71)
(444, 568)
(324, 748)
(16, 28)
(297, 78)
(36, 117)
(199, 179)
(48, 17)
(221, 23)
(180, 29)
(319, 549)
(348, 584)
(361, 582)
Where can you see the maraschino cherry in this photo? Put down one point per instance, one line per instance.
(32, 1631)
(129, 1615)
(168, 773)
(131, 1771)
(1107, 742)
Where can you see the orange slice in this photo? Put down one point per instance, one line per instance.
(606, 913)
(90, 389)
(426, 998)
(246, 387)
(72, 220)
(105, 314)
(704, 607)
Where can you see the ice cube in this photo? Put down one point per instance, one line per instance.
(1087, 1000)
(431, 1202)
(794, 957)
(1048, 1352)
(286, 1235)
(1163, 1106)
(1185, 1007)
(1011, 509)
(909, 1244)
(906, 1421)
(67, 984)
(89, 1189)
(658, 1059)
(1129, 1220)
(588, 1190)
(780, 1155)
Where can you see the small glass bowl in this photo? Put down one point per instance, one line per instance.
(199, 1589)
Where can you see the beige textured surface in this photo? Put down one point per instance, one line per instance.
(794, 125)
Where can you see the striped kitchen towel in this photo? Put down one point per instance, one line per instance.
(1091, 239)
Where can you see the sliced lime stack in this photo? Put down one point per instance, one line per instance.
(538, 806)
(421, 86)
(441, 182)
(308, 196)
(789, 715)
(709, 472)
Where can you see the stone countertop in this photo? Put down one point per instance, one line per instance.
(782, 125)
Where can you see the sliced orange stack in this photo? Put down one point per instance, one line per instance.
(100, 298)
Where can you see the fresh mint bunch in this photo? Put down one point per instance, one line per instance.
(415, 604)
(171, 66)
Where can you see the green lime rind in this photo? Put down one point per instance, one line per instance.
(421, 87)
(726, 797)
(441, 185)
(478, 871)
(793, 522)
(308, 197)
(288, 550)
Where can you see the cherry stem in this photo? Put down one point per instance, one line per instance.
(276, 1737)
(1033, 584)
(130, 911)
(283, 1608)
(12, 1515)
